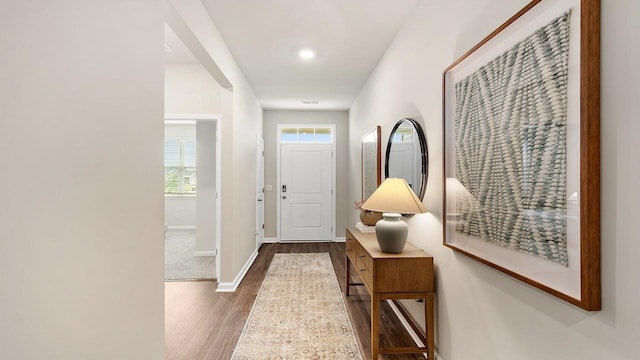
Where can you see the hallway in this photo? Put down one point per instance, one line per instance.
(203, 324)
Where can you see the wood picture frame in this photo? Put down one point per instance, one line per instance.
(522, 162)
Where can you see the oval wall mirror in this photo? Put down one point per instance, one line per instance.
(407, 155)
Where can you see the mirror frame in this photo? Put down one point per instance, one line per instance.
(424, 153)
(378, 134)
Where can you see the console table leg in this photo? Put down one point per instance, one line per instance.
(347, 265)
(375, 325)
(429, 320)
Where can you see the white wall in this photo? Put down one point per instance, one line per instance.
(180, 212)
(190, 89)
(206, 198)
(81, 121)
(241, 122)
(341, 119)
(482, 313)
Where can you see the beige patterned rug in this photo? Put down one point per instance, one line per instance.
(299, 313)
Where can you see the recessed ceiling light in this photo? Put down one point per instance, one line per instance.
(306, 54)
(310, 102)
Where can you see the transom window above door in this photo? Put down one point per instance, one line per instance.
(306, 135)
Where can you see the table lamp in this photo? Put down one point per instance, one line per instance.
(393, 198)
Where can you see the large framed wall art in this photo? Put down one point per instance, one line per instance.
(522, 150)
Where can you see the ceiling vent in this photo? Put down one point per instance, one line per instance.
(310, 102)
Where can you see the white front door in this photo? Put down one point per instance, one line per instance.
(306, 178)
(402, 163)
(259, 193)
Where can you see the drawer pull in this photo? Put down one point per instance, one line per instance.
(363, 269)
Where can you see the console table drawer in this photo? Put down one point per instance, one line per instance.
(404, 275)
(366, 275)
(361, 261)
(366, 260)
(351, 248)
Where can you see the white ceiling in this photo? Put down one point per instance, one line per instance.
(350, 37)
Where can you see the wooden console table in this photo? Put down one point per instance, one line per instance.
(408, 275)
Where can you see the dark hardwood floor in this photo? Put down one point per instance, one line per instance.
(203, 324)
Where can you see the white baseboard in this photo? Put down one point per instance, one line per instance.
(204, 253)
(275, 240)
(232, 286)
(181, 227)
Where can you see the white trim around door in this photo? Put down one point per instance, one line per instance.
(304, 138)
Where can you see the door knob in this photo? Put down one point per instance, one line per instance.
(284, 196)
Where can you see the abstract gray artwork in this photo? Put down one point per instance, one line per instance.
(511, 148)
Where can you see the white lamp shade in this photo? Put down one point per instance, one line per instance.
(394, 195)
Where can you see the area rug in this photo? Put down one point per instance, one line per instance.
(299, 313)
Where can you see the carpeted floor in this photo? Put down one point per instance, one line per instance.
(298, 314)
(179, 262)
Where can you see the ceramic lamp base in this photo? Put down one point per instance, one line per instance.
(391, 233)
